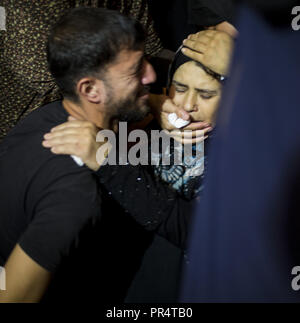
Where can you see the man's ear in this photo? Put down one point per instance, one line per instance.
(92, 90)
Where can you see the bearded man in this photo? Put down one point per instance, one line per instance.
(97, 59)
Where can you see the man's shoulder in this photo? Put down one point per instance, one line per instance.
(27, 136)
(22, 154)
(41, 119)
(38, 121)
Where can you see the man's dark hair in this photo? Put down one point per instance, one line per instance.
(85, 40)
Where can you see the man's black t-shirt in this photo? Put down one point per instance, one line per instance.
(51, 207)
(46, 200)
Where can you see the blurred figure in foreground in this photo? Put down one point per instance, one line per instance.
(245, 239)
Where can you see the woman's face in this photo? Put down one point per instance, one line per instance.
(197, 92)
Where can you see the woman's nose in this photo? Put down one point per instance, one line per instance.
(190, 102)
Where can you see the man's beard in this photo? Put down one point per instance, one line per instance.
(130, 109)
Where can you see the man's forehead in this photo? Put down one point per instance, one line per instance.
(127, 59)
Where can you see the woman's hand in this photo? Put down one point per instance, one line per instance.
(188, 135)
(162, 106)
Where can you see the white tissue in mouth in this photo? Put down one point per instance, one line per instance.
(172, 117)
(77, 160)
(177, 122)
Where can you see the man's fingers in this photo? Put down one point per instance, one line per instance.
(197, 46)
(72, 124)
(192, 54)
(208, 33)
(65, 149)
(203, 38)
(62, 133)
(69, 124)
(70, 139)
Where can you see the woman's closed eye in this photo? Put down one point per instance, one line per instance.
(180, 89)
(206, 96)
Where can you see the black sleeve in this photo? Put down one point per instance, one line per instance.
(61, 199)
(210, 12)
(151, 202)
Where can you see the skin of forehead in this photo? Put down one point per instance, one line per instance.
(126, 61)
(194, 76)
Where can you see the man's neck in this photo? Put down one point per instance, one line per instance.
(88, 113)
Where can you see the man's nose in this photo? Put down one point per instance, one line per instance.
(190, 102)
(149, 75)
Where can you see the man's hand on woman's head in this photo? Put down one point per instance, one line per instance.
(211, 48)
(226, 27)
